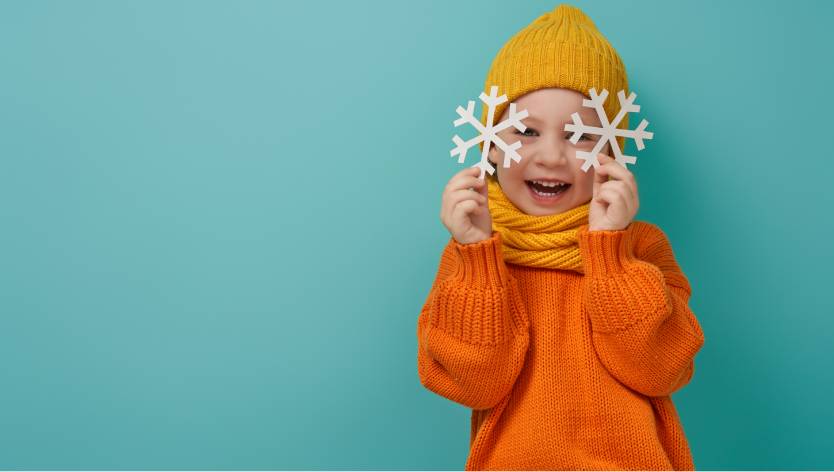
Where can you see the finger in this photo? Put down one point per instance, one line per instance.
(600, 177)
(595, 188)
(601, 172)
(454, 198)
(462, 210)
(606, 163)
(465, 182)
(483, 188)
(619, 200)
(622, 188)
(617, 170)
(465, 173)
(608, 196)
(622, 173)
(466, 193)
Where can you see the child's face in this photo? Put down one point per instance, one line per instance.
(547, 153)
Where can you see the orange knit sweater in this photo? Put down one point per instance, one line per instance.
(564, 371)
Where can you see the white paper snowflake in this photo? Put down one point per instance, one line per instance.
(609, 131)
(488, 133)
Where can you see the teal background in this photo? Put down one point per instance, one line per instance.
(220, 222)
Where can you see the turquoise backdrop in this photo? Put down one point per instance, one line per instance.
(220, 221)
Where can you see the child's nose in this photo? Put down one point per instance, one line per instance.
(554, 153)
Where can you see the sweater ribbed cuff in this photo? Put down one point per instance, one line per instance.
(604, 252)
(482, 263)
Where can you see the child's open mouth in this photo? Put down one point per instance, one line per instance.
(546, 192)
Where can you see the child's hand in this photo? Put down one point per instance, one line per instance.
(465, 207)
(615, 201)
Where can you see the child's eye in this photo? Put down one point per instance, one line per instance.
(531, 130)
(525, 132)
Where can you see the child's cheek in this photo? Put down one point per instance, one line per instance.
(586, 184)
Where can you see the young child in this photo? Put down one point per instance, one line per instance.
(559, 320)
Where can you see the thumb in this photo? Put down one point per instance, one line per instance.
(601, 173)
(599, 178)
(482, 186)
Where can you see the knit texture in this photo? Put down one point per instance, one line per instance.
(538, 241)
(564, 371)
(562, 49)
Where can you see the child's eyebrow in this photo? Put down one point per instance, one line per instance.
(533, 120)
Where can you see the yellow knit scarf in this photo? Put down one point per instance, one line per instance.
(537, 241)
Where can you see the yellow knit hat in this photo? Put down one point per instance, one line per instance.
(562, 48)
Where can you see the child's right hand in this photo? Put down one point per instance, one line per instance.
(465, 207)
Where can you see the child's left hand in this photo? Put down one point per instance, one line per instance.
(615, 202)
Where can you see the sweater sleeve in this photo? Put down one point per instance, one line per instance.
(637, 299)
(473, 330)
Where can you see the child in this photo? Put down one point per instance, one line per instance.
(561, 322)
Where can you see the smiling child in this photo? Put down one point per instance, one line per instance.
(561, 321)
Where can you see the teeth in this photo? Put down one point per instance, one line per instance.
(549, 184)
(545, 194)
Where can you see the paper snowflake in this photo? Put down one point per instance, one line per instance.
(609, 131)
(488, 133)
